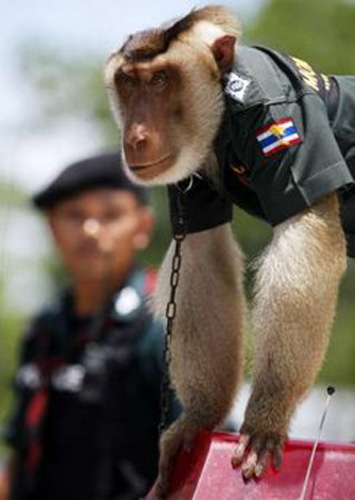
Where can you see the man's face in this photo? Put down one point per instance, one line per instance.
(98, 231)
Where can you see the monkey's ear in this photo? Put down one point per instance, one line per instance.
(223, 51)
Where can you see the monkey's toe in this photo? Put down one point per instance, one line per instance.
(254, 453)
(249, 465)
(240, 450)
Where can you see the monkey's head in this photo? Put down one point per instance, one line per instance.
(165, 89)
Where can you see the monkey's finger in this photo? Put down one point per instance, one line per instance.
(272, 448)
(239, 452)
(263, 460)
(277, 456)
(249, 465)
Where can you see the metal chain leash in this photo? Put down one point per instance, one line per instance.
(171, 308)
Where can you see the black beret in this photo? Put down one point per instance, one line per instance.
(96, 172)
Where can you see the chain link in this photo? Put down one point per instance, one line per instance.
(171, 307)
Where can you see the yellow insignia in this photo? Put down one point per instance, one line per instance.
(326, 82)
(277, 130)
(309, 76)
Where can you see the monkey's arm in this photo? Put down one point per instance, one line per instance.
(207, 341)
(296, 293)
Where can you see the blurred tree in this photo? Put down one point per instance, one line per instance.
(320, 31)
(11, 196)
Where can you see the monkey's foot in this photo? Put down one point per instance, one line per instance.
(159, 490)
(162, 484)
(255, 450)
(176, 436)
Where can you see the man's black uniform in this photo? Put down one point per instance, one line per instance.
(88, 397)
(287, 139)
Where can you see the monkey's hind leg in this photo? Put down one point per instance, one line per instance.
(207, 344)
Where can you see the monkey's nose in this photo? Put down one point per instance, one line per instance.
(137, 138)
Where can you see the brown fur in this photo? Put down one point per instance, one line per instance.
(207, 333)
(294, 306)
(150, 43)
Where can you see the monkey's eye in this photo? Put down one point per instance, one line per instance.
(159, 79)
(122, 78)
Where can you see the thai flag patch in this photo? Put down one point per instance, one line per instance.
(277, 136)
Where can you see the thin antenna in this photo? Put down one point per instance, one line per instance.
(330, 392)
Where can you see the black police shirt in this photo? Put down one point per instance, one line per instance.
(98, 434)
(287, 139)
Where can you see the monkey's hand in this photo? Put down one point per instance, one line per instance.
(256, 449)
(263, 432)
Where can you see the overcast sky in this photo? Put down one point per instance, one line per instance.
(33, 157)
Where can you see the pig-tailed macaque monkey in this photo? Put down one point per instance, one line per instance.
(263, 130)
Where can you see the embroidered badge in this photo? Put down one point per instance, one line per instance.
(277, 136)
(237, 86)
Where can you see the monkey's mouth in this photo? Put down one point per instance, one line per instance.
(152, 169)
(142, 166)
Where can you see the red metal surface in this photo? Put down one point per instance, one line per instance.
(206, 473)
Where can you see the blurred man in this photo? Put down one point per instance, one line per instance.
(85, 424)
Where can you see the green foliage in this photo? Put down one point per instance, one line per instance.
(11, 324)
(11, 328)
(339, 367)
(320, 31)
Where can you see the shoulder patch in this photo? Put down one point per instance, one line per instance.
(237, 86)
(278, 135)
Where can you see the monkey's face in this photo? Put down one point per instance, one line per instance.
(169, 110)
(150, 107)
